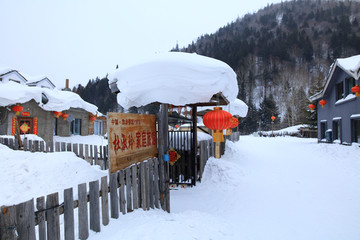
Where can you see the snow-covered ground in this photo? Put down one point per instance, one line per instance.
(261, 189)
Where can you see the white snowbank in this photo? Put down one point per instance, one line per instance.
(174, 78)
(12, 93)
(287, 131)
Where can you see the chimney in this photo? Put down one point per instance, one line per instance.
(67, 85)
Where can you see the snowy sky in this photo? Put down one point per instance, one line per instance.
(84, 39)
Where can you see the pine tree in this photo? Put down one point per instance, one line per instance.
(267, 109)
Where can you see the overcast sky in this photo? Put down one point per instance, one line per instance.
(83, 39)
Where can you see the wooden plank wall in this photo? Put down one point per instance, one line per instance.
(129, 189)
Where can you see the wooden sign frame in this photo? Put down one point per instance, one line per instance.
(132, 138)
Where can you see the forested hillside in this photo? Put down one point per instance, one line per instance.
(281, 55)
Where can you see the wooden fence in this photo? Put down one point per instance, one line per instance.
(138, 186)
(94, 154)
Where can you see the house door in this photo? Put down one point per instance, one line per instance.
(356, 131)
(26, 125)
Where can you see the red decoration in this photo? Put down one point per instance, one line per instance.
(217, 120)
(65, 116)
(234, 122)
(356, 90)
(92, 118)
(17, 109)
(57, 114)
(322, 102)
(273, 118)
(312, 107)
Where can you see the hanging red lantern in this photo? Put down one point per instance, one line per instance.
(234, 122)
(273, 118)
(17, 109)
(57, 114)
(217, 120)
(312, 107)
(65, 116)
(322, 102)
(356, 90)
(92, 118)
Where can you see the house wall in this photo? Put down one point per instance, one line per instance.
(338, 110)
(63, 127)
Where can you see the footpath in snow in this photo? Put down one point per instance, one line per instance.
(262, 189)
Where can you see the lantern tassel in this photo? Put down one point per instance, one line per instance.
(218, 136)
(229, 132)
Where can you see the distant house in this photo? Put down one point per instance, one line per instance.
(339, 118)
(40, 101)
(42, 82)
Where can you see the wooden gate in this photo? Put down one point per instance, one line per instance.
(181, 140)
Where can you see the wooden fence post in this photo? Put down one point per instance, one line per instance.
(75, 149)
(143, 185)
(69, 230)
(104, 201)
(122, 192)
(52, 216)
(114, 199)
(128, 190)
(94, 206)
(57, 147)
(83, 212)
(135, 188)
(156, 183)
(62, 146)
(40, 206)
(8, 223)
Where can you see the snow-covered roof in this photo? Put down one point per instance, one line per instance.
(41, 82)
(236, 108)
(12, 93)
(175, 78)
(8, 74)
(350, 65)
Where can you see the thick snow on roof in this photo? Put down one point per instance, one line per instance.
(351, 65)
(236, 108)
(12, 93)
(174, 78)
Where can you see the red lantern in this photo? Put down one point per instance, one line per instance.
(312, 107)
(356, 90)
(92, 118)
(57, 114)
(273, 118)
(234, 122)
(65, 116)
(322, 102)
(17, 109)
(217, 120)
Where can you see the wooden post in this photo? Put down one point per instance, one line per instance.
(52, 216)
(128, 190)
(25, 220)
(69, 231)
(114, 199)
(217, 150)
(104, 201)
(194, 144)
(135, 187)
(83, 212)
(122, 192)
(40, 206)
(94, 206)
(8, 223)
(163, 147)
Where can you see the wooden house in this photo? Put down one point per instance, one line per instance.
(338, 109)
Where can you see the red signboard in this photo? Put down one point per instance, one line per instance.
(25, 114)
(132, 138)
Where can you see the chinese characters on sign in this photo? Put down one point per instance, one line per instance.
(132, 138)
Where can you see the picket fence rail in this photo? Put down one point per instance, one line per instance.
(93, 154)
(138, 186)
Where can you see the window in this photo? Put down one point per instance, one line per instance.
(356, 130)
(98, 127)
(349, 83)
(323, 130)
(337, 130)
(339, 91)
(75, 127)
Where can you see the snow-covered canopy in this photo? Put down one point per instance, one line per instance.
(174, 78)
(12, 93)
(236, 108)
